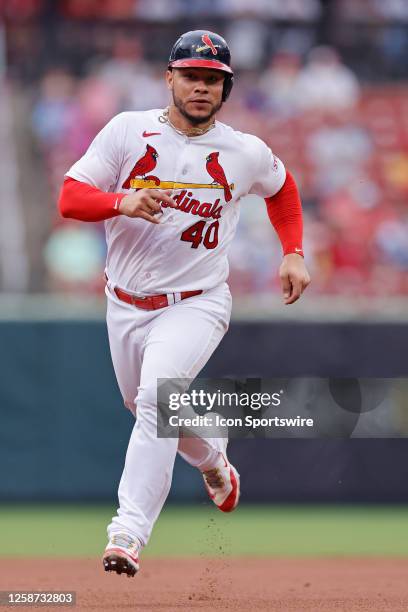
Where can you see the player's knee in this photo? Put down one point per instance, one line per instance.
(146, 401)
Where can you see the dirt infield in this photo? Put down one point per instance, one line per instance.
(221, 584)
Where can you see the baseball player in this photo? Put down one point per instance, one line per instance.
(168, 184)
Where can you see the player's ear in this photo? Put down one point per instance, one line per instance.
(169, 79)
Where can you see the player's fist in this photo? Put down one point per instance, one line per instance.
(294, 277)
(145, 204)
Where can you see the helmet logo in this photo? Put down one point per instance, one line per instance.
(208, 44)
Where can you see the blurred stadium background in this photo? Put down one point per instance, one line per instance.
(325, 84)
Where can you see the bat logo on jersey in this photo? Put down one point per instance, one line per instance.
(185, 202)
(143, 166)
(208, 44)
(148, 162)
(216, 171)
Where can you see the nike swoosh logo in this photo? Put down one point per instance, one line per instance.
(146, 134)
(298, 250)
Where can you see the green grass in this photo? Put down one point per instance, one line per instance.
(196, 530)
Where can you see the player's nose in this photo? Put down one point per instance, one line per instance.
(200, 87)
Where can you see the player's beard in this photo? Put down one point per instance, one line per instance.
(195, 121)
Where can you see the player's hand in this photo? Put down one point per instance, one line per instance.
(145, 204)
(294, 277)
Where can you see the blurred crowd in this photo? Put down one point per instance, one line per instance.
(344, 139)
(164, 10)
(347, 148)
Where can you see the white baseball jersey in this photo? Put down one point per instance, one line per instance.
(188, 249)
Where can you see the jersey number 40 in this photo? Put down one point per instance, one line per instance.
(196, 235)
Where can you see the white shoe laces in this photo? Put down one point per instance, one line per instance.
(125, 541)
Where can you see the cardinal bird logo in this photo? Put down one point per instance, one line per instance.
(143, 166)
(209, 43)
(215, 170)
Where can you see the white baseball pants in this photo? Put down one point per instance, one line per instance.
(172, 342)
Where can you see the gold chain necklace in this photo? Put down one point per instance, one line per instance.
(194, 131)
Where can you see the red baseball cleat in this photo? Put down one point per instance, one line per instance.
(122, 555)
(223, 486)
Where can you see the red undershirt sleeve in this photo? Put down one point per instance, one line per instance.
(285, 213)
(81, 201)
